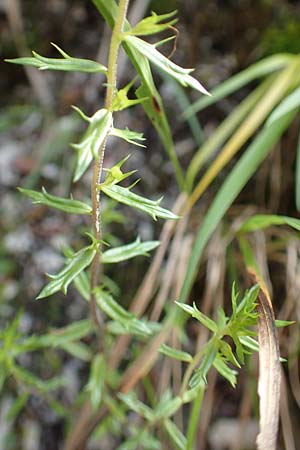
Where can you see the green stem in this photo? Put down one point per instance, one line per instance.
(194, 417)
(95, 193)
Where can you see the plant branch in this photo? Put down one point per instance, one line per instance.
(95, 193)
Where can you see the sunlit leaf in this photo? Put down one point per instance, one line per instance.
(66, 63)
(64, 204)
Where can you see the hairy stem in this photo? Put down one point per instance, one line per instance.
(95, 193)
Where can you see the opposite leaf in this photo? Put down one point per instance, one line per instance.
(67, 63)
(64, 204)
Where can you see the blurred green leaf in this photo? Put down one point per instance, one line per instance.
(288, 104)
(175, 434)
(257, 70)
(129, 251)
(64, 204)
(174, 353)
(27, 378)
(96, 380)
(125, 196)
(129, 323)
(67, 63)
(17, 406)
(131, 401)
(261, 221)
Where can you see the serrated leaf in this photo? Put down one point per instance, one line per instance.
(178, 73)
(78, 262)
(129, 251)
(153, 25)
(63, 204)
(129, 136)
(174, 353)
(96, 380)
(100, 125)
(125, 196)
(67, 63)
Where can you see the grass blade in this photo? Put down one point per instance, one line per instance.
(232, 186)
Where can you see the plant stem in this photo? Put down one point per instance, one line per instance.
(95, 193)
(194, 417)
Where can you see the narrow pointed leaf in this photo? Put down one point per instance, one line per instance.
(125, 196)
(77, 263)
(64, 204)
(129, 251)
(178, 73)
(95, 136)
(67, 63)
